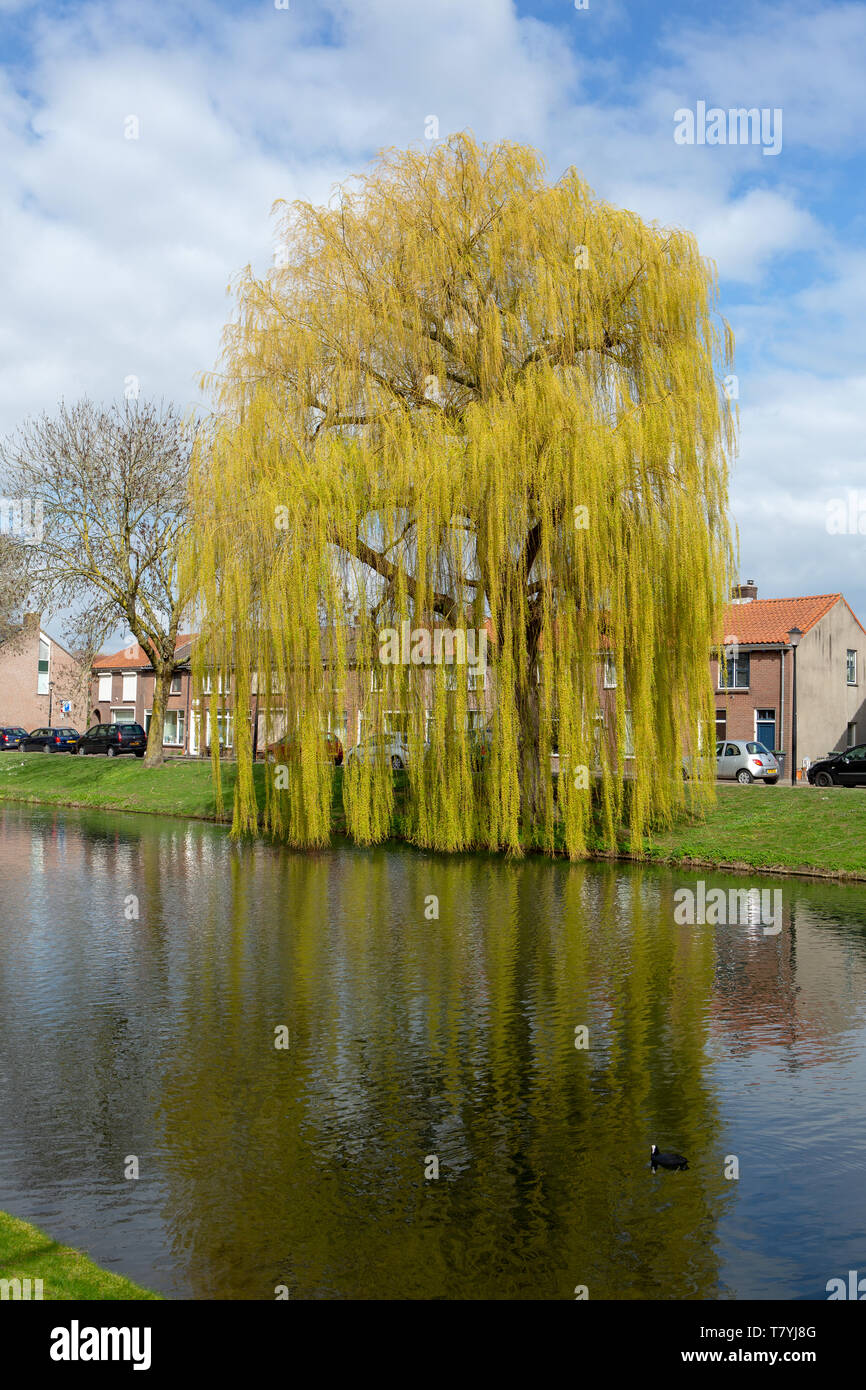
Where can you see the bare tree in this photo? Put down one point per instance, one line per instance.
(12, 588)
(113, 487)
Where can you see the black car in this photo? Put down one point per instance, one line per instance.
(846, 769)
(50, 741)
(113, 739)
(11, 736)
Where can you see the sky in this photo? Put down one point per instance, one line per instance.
(143, 145)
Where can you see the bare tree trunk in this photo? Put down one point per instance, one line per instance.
(154, 757)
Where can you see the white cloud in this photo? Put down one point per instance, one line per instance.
(117, 253)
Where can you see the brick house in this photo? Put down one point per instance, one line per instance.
(122, 685)
(37, 677)
(755, 688)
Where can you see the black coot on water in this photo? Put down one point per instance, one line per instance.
(667, 1160)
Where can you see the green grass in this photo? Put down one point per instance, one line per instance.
(786, 828)
(26, 1253)
(177, 788)
(793, 828)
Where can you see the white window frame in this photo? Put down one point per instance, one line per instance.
(851, 652)
(43, 678)
(628, 738)
(728, 669)
(224, 684)
(103, 689)
(474, 683)
(180, 719)
(124, 694)
(228, 723)
(610, 680)
(123, 711)
(386, 727)
(176, 686)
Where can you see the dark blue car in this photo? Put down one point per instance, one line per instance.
(51, 741)
(11, 736)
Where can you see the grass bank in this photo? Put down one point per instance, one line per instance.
(789, 829)
(794, 829)
(26, 1253)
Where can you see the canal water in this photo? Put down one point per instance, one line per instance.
(474, 1058)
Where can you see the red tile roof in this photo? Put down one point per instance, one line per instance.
(133, 656)
(769, 620)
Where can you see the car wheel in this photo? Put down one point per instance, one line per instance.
(46, 748)
(109, 752)
(744, 776)
(396, 763)
(80, 752)
(139, 755)
(823, 779)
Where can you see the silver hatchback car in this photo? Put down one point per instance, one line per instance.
(746, 760)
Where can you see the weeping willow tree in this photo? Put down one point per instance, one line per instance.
(466, 399)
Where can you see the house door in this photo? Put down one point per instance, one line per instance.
(765, 727)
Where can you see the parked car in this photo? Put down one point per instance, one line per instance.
(113, 739)
(746, 760)
(285, 749)
(50, 741)
(395, 747)
(846, 769)
(11, 736)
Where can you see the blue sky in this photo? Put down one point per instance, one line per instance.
(116, 252)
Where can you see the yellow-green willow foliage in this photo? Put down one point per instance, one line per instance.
(466, 397)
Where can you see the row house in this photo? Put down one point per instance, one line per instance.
(122, 686)
(754, 684)
(41, 682)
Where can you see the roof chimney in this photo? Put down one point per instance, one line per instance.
(744, 593)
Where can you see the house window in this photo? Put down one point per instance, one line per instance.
(478, 679)
(852, 668)
(609, 673)
(597, 732)
(122, 716)
(852, 734)
(42, 674)
(130, 686)
(173, 728)
(721, 725)
(450, 678)
(104, 696)
(377, 680)
(628, 750)
(396, 721)
(174, 689)
(224, 729)
(734, 672)
(223, 684)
